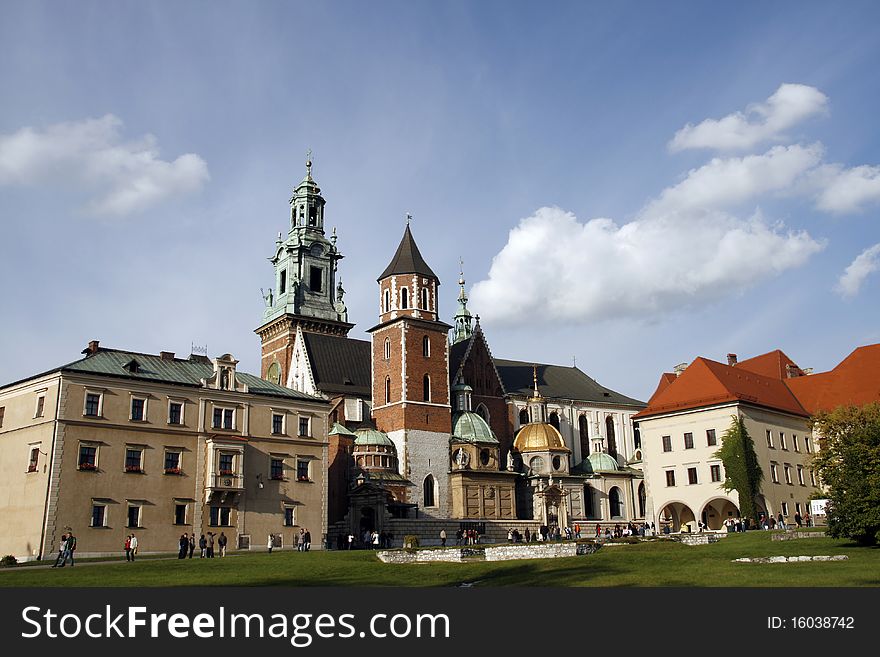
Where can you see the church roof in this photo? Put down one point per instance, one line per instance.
(408, 259)
(597, 462)
(179, 371)
(340, 365)
(472, 428)
(558, 382)
(539, 437)
(369, 436)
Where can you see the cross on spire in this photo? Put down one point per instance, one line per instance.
(408, 218)
(309, 162)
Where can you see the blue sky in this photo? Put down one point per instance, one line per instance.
(148, 151)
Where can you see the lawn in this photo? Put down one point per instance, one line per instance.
(663, 563)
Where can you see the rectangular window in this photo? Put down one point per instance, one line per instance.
(797, 508)
(302, 470)
(224, 418)
(692, 476)
(774, 473)
(137, 409)
(688, 441)
(175, 413)
(807, 445)
(282, 282)
(787, 474)
(711, 440)
(800, 471)
(769, 439)
(93, 404)
(2, 413)
(218, 418)
(180, 514)
(226, 464)
(228, 419)
(134, 459)
(35, 457)
(316, 279)
(99, 515)
(782, 441)
(220, 516)
(41, 406)
(785, 508)
(667, 443)
(812, 478)
(304, 429)
(277, 423)
(172, 462)
(289, 520)
(795, 443)
(276, 469)
(715, 472)
(88, 457)
(134, 515)
(670, 477)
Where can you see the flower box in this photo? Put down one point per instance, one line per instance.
(277, 477)
(87, 466)
(32, 468)
(303, 479)
(226, 473)
(172, 471)
(133, 468)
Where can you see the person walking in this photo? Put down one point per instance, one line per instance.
(69, 549)
(301, 541)
(210, 545)
(192, 545)
(308, 540)
(203, 547)
(134, 546)
(183, 546)
(443, 537)
(62, 547)
(128, 547)
(222, 543)
(375, 540)
(350, 539)
(269, 544)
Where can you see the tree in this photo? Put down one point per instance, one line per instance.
(848, 464)
(742, 471)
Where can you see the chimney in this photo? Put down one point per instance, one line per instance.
(92, 348)
(731, 359)
(678, 369)
(166, 355)
(791, 371)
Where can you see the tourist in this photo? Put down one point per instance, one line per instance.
(128, 548)
(222, 543)
(797, 519)
(134, 546)
(577, 530)
(780, 522)
(375, 540)
(192, 545)
(350, 540)
(808, 521)
(270, 543)
(203, 547)
(307, 537)
(61, 549)
(598, 531)
(510, 535)
(210, 545)
(183, 544)
(443, 537)
(528, 535)
(301, 540)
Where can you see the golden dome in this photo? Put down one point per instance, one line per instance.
(539, 437)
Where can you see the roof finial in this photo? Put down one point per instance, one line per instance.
(535, 378)
(309, 162)
(408, 218)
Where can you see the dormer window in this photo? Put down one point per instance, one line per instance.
(132, 366)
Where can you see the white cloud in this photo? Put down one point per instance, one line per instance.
(859, 269)
(122, 176)
(556, 268)
(846, 190)
(788, 105)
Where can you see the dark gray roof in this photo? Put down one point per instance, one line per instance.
(408, 260)
(178, 371)
(457, 353)
(558, 382)
(340, 365)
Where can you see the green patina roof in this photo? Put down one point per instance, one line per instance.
(472, 428)
(597, 462)
(371, 437)
(187, 372)
(339, 429)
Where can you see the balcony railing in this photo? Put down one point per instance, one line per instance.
(227, 481)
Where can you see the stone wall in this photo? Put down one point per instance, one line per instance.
(699, 539)
(788, 536)
(531, 551)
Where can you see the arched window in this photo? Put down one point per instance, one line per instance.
(554, 420)
(426, 346)
(615, 502)
(524, 416)
(637, 437)
(387, 348)
(537, 464)
(584, 433)
(426, 387)
(609, 432)
(643, 498)
(404, 298)
(483, 412)
(588, 501)
(424, 298)
(428, 491)
(387, 389)
(386, 301)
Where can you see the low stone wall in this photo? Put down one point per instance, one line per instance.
(780, 559)
(530, 551)
(699, 539)
(790, 536)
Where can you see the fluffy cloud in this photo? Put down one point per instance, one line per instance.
(789, 105)
(122, 176)
(557, 268)
(859, 269)
(844, 190)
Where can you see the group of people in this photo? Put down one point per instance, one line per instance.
(187, 545)
(769, 522)
(630, 529)
(66, 550)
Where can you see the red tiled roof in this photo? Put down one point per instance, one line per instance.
(856, 381)
(707, 383)
(773, 364)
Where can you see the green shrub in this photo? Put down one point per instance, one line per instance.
(410, 542)
(8, 561)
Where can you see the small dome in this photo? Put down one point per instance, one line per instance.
(598, 462)
(539, 437)
(470, 426)
(372, 437)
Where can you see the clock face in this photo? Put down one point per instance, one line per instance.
(274, 373)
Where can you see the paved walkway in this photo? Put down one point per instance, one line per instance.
(100, 562)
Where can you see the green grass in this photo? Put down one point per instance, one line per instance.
(657, 563)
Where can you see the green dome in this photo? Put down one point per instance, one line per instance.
(371, 437)
(598, 462)
(471, 427)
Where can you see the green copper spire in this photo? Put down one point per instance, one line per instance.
(463, 329)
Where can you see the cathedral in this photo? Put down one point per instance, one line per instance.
(426, 424)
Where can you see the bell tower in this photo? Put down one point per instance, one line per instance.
(411, 397)
(306, 293)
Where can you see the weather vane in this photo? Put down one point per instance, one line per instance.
(408, 218)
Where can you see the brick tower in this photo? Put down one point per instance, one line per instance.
(411, 376)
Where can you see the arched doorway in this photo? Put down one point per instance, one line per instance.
(643, 500)
(716, 511)
(428, 491)
(368, 519)
(678, 517)
(615, 502)
(589, 507)
(584, 434)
